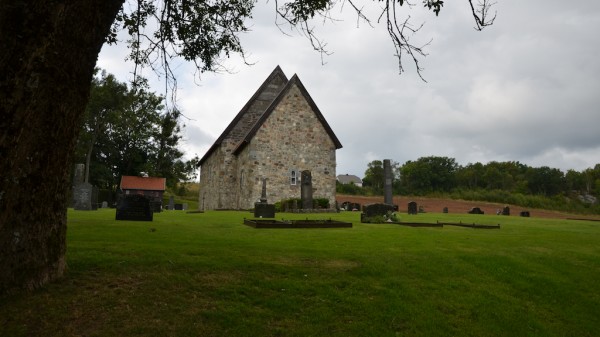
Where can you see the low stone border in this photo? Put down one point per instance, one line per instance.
(266, 223)
(473, 225)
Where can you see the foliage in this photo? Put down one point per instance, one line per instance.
(428, 174)
(350, 188)
(296, 203)
(508, 182)
(206, 32)
(128, 131)
(374, 177)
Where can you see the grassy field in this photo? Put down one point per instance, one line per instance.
(207, 274)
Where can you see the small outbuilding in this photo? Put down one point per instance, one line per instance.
(152, 188)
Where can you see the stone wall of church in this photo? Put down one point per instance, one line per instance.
(292, 139)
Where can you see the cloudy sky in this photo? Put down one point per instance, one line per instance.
(525, 89)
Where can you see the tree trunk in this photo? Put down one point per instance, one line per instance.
(48, 50)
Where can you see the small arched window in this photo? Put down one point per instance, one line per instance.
(293, 178)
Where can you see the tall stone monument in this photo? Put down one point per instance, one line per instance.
(85, 196)
(262, 209)
(306, 190)
(387, 183)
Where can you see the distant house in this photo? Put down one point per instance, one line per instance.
(152, 188)
(278, 134)
(349, 178)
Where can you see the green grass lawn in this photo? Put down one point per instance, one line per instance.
(207, 274)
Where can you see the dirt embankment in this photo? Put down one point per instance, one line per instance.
(436, 205)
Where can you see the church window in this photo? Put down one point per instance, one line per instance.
(293, 177)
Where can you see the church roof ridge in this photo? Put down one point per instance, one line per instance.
(295, 80)
(276, 72)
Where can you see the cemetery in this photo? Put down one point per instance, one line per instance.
(210, 274)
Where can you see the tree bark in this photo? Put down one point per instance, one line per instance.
(48, 50)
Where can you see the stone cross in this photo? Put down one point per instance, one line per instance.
(263, 194)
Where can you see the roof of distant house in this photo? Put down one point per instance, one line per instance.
(143, 183)
(349, 178)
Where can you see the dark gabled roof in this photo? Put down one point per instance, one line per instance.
(264, 88)
(276, 72)
(295, 80)
(143, 183)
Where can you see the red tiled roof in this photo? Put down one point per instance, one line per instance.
(143, 183)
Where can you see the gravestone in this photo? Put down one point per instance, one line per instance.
(171, 202)
(178, 207)
(185, 206)
(475, 210)
(306, 190)
(351, 206)
(82, 197)
(262, 209)
(104, 204)
(78, 174)
(421, 209)
(412, 207)
(375, 210)
(506, 210)
(387, 182)
(85, 196)
(445, 210)
(134, 207)
(524, 214)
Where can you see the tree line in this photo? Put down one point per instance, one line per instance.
(128, 130)
(443, 175)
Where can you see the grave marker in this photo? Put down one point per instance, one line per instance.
(134, 207)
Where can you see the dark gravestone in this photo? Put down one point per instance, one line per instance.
(306, 190)
(378, 209)
(82, 197)
(375, 210)
(412, 207)
(387, 182)
(351, 206)
(134, 207)
(506, 210)
(475, 210)
(524, 214)
(178, 207)
(262, 209)
(445, 210)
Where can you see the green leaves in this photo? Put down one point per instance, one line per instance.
(436, 5)
(198, 31)
(127, 131)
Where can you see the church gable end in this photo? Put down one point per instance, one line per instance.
(289, 136)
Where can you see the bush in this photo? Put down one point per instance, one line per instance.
(296, 203)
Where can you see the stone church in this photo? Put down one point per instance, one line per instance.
(279, 133)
